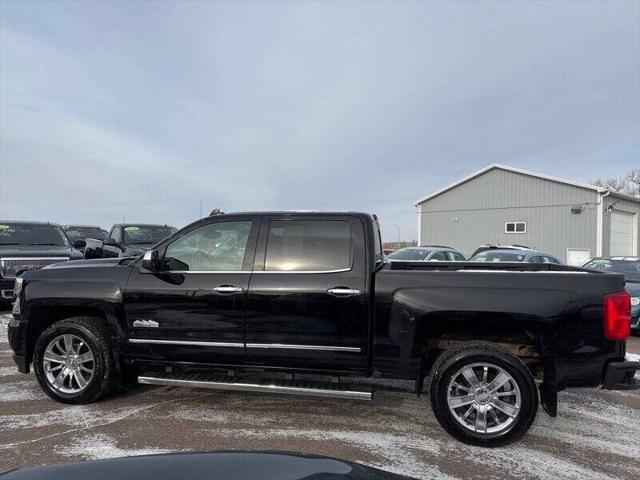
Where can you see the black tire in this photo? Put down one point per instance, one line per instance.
(95, 335)
(448, 368)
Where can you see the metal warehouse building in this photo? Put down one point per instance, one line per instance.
(505, 205)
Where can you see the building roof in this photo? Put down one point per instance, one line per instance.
(514, 170)
(624, 196)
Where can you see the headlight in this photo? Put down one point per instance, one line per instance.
(17, 287)
(635, 301)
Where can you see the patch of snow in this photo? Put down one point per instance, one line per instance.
(521, 461)
(632, 357)
(20, 391)
(199, 415)
(6, 371)
(94, 447)
(4, 322)
(75, 416)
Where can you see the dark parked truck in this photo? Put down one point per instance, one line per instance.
(126, 240)
(28, 246)
(299, 302)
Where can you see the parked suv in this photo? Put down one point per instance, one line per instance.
(28, 246)
(82, 232)
(428, 253)
(513, 255)
(127, 240)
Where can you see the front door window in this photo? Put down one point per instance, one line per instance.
(215, 247)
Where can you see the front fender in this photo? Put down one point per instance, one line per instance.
(49, 300)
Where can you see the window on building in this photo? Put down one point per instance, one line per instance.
(515, 227)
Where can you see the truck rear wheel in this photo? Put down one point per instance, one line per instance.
(483, 395)
(73, 362)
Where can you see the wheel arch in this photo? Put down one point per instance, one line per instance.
(524, 336)
(41, 316)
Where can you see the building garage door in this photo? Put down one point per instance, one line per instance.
(622, 236)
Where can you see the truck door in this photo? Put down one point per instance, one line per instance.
(194, 309)
(308, 297)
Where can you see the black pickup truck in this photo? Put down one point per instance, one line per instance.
(299, 302)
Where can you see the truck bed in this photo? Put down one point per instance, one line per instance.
(419, 302)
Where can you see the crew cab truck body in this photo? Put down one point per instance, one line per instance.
(254, 301)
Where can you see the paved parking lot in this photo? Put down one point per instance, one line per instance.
(596, 435)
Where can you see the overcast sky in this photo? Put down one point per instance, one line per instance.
(144, 110)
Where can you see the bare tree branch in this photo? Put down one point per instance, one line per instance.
(629, 184)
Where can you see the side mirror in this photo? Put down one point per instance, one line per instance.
(78, 244)
(110, 242)
(151, 261)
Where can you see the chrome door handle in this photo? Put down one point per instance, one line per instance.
(343, 291)
(227, 289)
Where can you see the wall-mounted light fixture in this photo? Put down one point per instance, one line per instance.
(612, 207)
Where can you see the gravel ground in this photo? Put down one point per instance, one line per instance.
(595, 436)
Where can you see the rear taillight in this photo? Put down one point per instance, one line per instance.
(616, 309)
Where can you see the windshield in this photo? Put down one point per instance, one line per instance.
(81, 233)
(630, 268)
(489, 256)
(135, 234)
(415, 254)
(32, 234)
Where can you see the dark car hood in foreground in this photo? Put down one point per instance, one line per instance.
(238, 465)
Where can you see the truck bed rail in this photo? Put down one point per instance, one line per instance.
(497, 266)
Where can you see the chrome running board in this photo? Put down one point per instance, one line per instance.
(307, 388)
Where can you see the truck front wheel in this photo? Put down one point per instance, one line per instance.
(483, 395)
(73, 362)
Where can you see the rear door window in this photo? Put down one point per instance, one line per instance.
(308, 245)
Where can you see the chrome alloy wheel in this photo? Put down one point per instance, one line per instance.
(484, 398)
(68, 364)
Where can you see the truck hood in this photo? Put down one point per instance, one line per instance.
(38, 251)
(96, 262)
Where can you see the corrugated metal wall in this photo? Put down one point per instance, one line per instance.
(475, 212)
